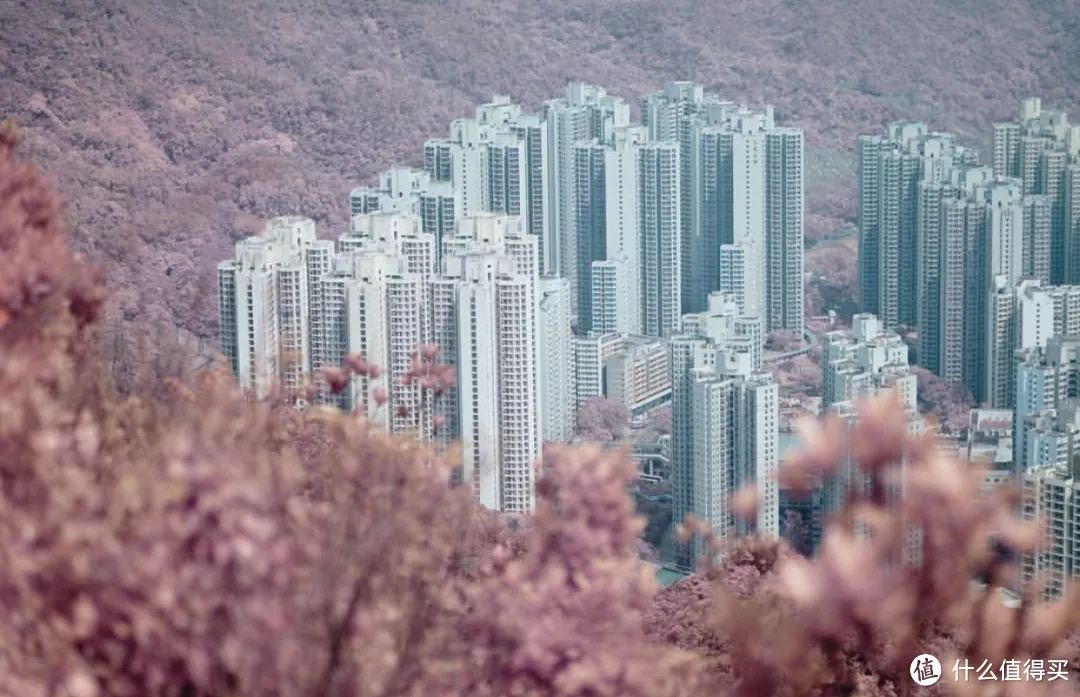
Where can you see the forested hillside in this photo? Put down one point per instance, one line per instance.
(174, 126)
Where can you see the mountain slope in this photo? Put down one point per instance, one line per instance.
(173, 127)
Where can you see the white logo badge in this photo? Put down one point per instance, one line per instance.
(925, 670)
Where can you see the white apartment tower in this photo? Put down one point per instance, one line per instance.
(724, 417)
(376, 307)
(378, 295)
(943, 243)
(1051, 495)
(890, 169)
(396, 192)
(584, 114)
(488, 166)
(373, 301)
(784, 223)
(590, 224)
(439, 207)
(729, 246)
(263, 305)
(1047, 380)
(558, 412)
(623, 232)
(485, 307)
(741, 201)
(865, 361)
(413, 192)
(1042, 150)
(661, 248)
(604, 298)
(668, 115)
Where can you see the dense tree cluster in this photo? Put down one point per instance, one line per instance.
(783, 340)
(602, 419)
(950, 404)
(832, 283)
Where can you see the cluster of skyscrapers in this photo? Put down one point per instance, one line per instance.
(559, 256)
(292, 305)
(983, 261)
(1046, 453)
(864, 361)
(945, 241)
(552, 257)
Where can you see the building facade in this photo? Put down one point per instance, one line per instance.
(724, 425)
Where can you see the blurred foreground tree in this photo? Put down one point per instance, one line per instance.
(896, 577)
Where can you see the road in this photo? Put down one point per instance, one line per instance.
(811, 339)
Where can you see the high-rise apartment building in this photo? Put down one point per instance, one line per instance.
(590, 227)
(604, 299)
(724, 419)
(291, 305)
(784, 224)
(621, 269)
(413, 192)
(836, 489)
(519, 229)
(1000, 210)
(728, 250)
(1042, 150)
(585, 113)
(943, 243)
(864, 361)
(558, 407)
(724, 319)
(374, 306)
(488, 167)
(668, 115)
(741, 201)
(396, 192)
(890, 169)
(485, 316)
(661, 248)
(1051, 495)
(372, 301)
(437, 162)
(263, 305)
(1047, 379)
(495, 162)
(438, 207)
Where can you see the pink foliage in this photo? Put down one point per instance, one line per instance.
(949, 404)
(602, 419)
(660, 420)
(783, 340)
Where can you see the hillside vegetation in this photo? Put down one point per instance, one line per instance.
(174, 127)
